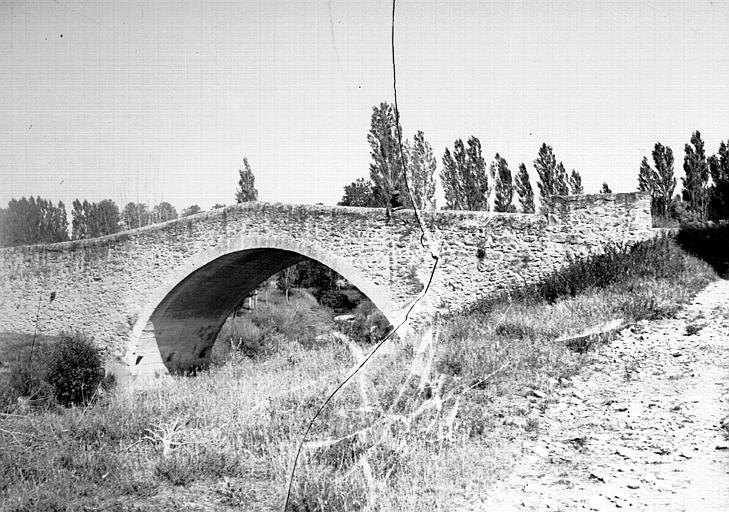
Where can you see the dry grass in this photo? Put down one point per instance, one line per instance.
(437, 434)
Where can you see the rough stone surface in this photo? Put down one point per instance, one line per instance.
(156, 297)
(641, 429)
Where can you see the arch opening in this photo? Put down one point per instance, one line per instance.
(181, 331)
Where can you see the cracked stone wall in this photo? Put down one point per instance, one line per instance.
(117, 287)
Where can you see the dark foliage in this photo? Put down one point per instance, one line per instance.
(335, 300)
(91, 220)
(362, 193)
(75, 369)
(655, 258)
(32, 221)
(312, 274)
(709, 243)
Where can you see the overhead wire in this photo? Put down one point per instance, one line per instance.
(412, 306)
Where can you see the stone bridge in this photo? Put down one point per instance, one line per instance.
(155, 298)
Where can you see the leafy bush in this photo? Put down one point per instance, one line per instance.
(258, 333)
(369, 325)
(334, 300)
(75, 369)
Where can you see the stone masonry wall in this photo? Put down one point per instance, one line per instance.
(107, 286)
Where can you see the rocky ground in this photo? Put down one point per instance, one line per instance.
(643, 428)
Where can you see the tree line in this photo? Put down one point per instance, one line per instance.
(37, 221)
(705, 194)
(469, 181)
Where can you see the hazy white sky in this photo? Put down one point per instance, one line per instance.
(156, 101)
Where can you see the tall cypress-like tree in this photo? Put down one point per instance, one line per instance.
(648, 182)
(647, 177)
(504, 186)
(450, 178)
(464, 177)
(386, 168)
(524, 190)
(477, 193)
(659, 182)
(575, 183)
(421, 171)
(719, 192)
(561, 186)
(246, 184)
(546, 167)
(665, 180)
(696, 168)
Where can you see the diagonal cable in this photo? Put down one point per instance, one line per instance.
(420, 296)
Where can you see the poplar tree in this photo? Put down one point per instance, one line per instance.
(546, 167)
(464, 177)
(421, 171)
(478, 193)
(504, 186)
(163, 212)
(524, 190)
(575, 183)
(561, 187)
(450, 178)
(695, 184)
(135, 215)
(246, 184)
(719, 192)
(33, 221)
(91, 220)
(386, 168)
(664, 180)
(647, 177)
(648, 182)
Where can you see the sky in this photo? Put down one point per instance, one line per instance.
(160, 101)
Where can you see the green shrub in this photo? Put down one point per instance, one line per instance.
(75, 369)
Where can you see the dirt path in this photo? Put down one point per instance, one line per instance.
(640, 429)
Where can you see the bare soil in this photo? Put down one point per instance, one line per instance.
(640, 428)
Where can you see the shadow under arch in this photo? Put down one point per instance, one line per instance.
(177, 327)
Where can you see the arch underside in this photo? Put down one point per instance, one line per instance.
(181, 331)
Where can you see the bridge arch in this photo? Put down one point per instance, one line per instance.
(180, 321)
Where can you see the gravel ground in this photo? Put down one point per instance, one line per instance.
(640, 429)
